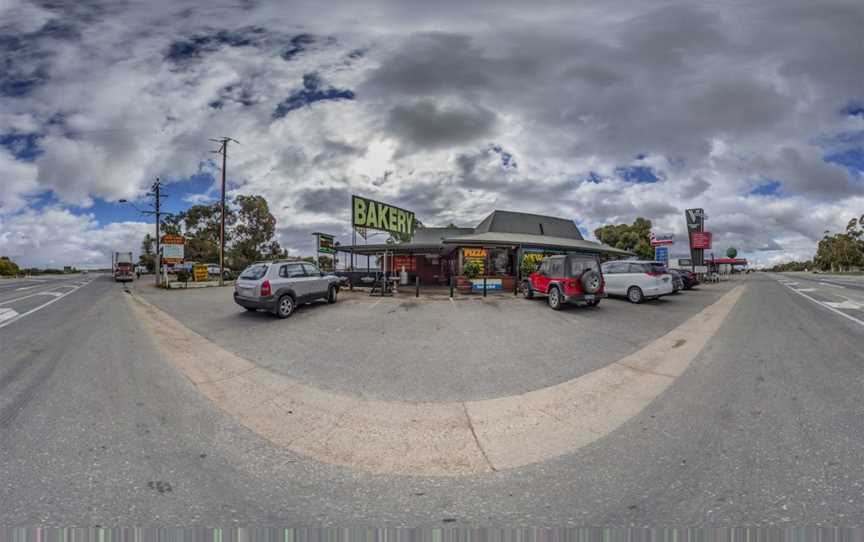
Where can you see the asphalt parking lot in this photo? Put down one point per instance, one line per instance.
(431, 348)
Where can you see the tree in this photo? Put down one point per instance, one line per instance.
(404, 237)
(147, 257)
(202, 224)
(8, 267)
(254, 236)
(731, 252)
(635, 237)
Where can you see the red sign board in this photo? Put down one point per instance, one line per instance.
(700, 239)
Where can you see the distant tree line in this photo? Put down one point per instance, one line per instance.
(842, 251)
(250, 233)
(793, 266)
(634, 237)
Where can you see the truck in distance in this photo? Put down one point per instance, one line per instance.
(123, 268)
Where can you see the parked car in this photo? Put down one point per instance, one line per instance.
(677, 281)
(637, 280)
(213, 269)
(567, 279)
(690, 278)
(279, 286)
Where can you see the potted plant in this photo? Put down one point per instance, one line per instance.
(470, 270)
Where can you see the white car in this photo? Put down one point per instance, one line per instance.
(637, 280)
(213, 269)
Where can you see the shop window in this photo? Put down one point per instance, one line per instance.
(500, 261)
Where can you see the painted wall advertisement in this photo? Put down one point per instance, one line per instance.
(476, 255)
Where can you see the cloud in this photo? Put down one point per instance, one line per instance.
(426, 125)
(434, 109)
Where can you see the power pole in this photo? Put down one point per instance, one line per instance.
(157, 193)
(223, 150)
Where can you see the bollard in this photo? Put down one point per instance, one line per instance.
(451, 286)
(484, 285)
(516, 288)
(417, 286)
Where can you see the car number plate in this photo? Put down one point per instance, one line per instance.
(589, 298)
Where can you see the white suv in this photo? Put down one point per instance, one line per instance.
(280, 286)
(637, 280)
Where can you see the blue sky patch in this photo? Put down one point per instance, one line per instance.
(22, 146)
(637, 174)
(854, 110)
(312, 92)
(299, 43)
(507, 159)
(769, 188)
(196, 46)
(851, 159)
(593, 177)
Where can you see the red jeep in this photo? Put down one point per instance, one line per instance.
(575, 278)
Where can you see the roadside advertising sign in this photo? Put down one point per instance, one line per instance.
(325, 243)
(533, 256)
(700, 269)
(661, 254)
(695, 224)
(700, 240)
(172, 249)
(662, 239)
(367, 213)
(200, 273)
(684, 262)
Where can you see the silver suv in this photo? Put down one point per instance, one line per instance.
(279, 286)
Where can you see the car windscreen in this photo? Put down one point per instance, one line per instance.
(580, 265)
(254, 272)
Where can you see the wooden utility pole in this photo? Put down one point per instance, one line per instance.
(223, 150)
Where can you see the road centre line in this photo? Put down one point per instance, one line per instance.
(57, 298)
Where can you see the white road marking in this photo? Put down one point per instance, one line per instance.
(57, 298)
(829, 307)
(7, 314)
(848, 304)
(831, 285)
(26, 287)
(806, 289)
(372, 306)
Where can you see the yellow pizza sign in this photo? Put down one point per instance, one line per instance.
(367, 213)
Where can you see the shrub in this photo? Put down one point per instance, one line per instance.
(182, 275)
(471, 269)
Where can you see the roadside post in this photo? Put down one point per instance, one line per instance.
(451, 286)
(417, 286)
(484, 285)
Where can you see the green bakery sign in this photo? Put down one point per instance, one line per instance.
(367, 213)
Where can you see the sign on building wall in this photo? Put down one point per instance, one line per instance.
(491, 284)
(476, 255)
(367, 213)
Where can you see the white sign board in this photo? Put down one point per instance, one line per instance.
(700, 269)
(172, 251)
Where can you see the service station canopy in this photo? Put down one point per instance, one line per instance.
(367, 213)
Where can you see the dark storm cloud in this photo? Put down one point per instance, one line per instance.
(323, 200)
(426, 125)
(299, 43)
(694, 188)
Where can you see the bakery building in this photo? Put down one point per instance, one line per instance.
(501, 247)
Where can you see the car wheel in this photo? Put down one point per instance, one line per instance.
(555, 300)
(527, 292)
(331, 295)
(285, 306)
(634, 294)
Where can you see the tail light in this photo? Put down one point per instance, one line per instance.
(265, 289)
(573, 283)
(655, 274)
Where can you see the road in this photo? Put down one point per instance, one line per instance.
(764, 426)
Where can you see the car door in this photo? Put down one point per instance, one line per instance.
(541, 284)
(292, 277)
(316, 283)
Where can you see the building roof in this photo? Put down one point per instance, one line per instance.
(544, 241)
(425, 236)
(528, 224)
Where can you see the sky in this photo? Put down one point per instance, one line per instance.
(592, 111)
